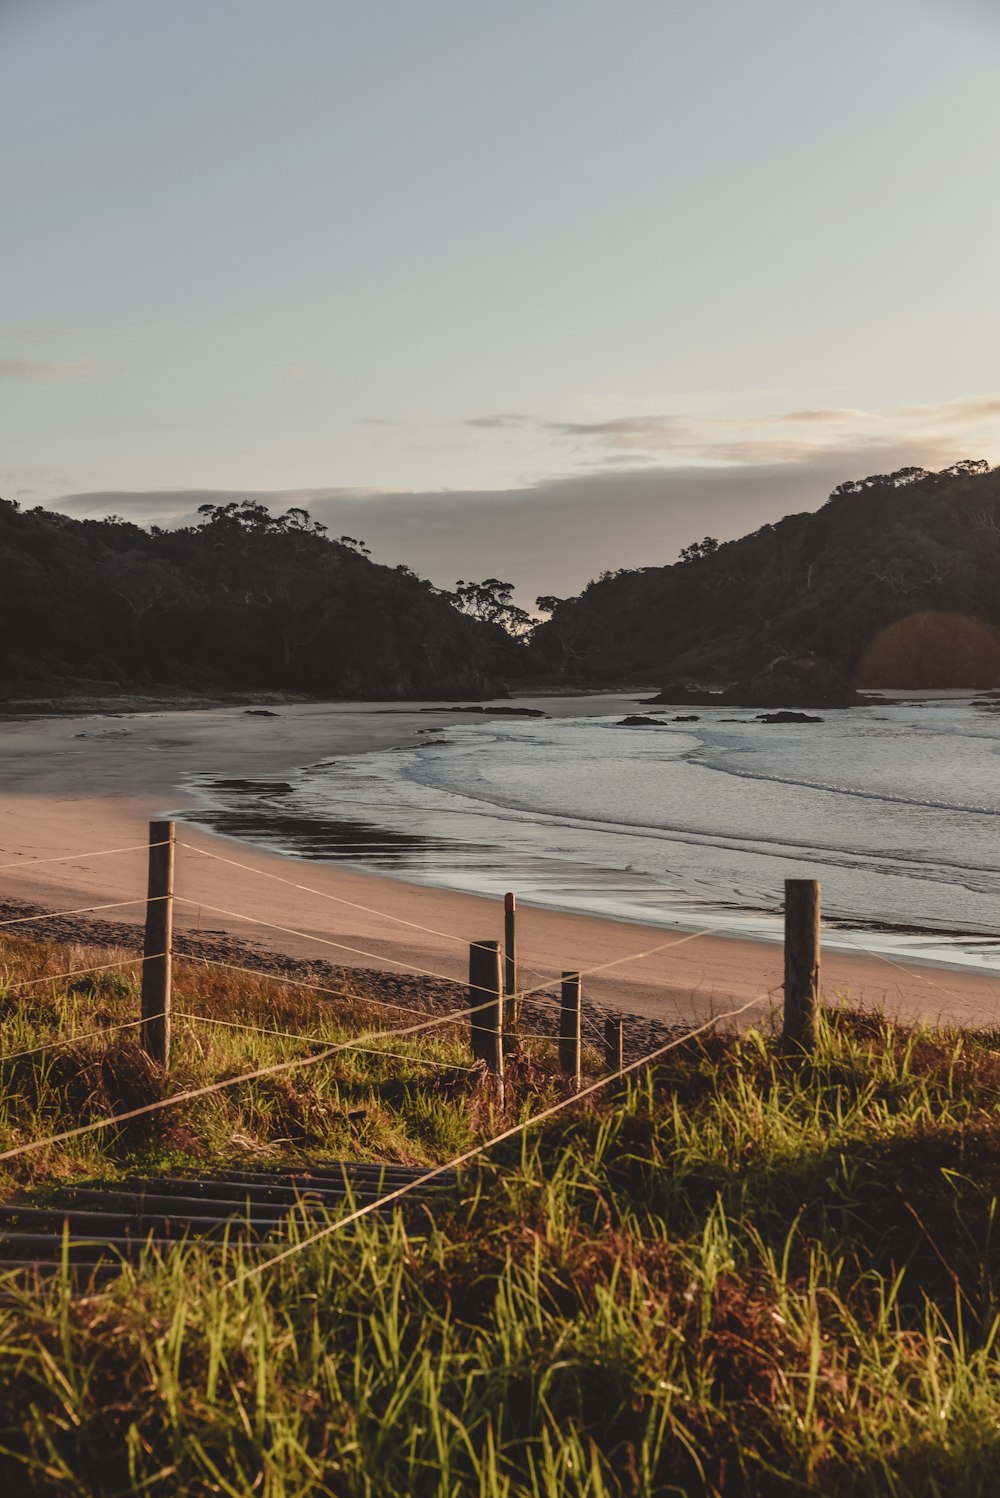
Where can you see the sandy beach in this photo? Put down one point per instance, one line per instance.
(79, 785)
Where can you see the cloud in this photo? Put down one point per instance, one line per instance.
(649, 432)
(812, 418)
(39, 369)
(502, 421)
(741, 439)
(957, 413)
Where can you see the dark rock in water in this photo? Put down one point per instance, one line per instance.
(258, 712)
(502, 712)
(253, 787)
(636, 720)
(687, 718)
(786, 717)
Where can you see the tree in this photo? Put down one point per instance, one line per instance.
(492, 601)
(699, 550)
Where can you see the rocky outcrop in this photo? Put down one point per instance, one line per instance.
(789, 681)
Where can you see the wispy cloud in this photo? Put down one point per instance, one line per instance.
(501, 421)
(652, 432)
(954, 413)
(791, 436)
(811, 418)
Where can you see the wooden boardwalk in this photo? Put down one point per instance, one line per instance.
(100, 1223)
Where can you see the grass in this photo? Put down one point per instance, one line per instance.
(737, 1274)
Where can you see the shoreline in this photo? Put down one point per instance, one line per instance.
(128, 771)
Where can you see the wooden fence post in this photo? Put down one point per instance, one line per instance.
(802, 955)
(485, 990)
(613, 1047)
(511, 1016)
(569, 1027)
(154, 1032)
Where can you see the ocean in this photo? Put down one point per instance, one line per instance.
(894, 807)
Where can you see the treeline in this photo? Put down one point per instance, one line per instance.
(894, 580)
(244, 600)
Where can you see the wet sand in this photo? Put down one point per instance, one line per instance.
(79, 785)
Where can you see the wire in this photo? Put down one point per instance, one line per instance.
(50, 1045)
(342, 993)
(480, 1149)
(323, 895)
(291, 1035)
(915, 973)
(602, 967)
(49, 915)
(27, 863)
(79, 972)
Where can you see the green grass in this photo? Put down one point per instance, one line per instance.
(739, 1274)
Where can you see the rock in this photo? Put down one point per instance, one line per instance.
(793, 681)
(258, 712)
(786, 717)
(503, 712)
(636, 720)
(688, 718)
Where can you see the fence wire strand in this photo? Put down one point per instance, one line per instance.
(29, 863)
(231, 1024)
(51, 1045)
(324, 894)
(340, 993)
(80, 972)
(49, 915)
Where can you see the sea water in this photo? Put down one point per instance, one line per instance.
(894, 807)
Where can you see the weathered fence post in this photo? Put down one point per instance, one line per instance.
(511, 1017)
(154, 1032)
(569, 1027)
(486, 995)
(613, 1047)
(802, 953)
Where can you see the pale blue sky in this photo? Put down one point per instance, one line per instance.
(535, 278)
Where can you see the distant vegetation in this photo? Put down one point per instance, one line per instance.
(245, 600)
(893, 580)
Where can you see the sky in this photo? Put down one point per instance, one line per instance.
(516, 288)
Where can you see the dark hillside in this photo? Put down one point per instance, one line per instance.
(894, 580)
(243, 601)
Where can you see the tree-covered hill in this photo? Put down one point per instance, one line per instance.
(242, 601)
(895, 580)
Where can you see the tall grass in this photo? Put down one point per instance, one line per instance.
(737, 1274)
